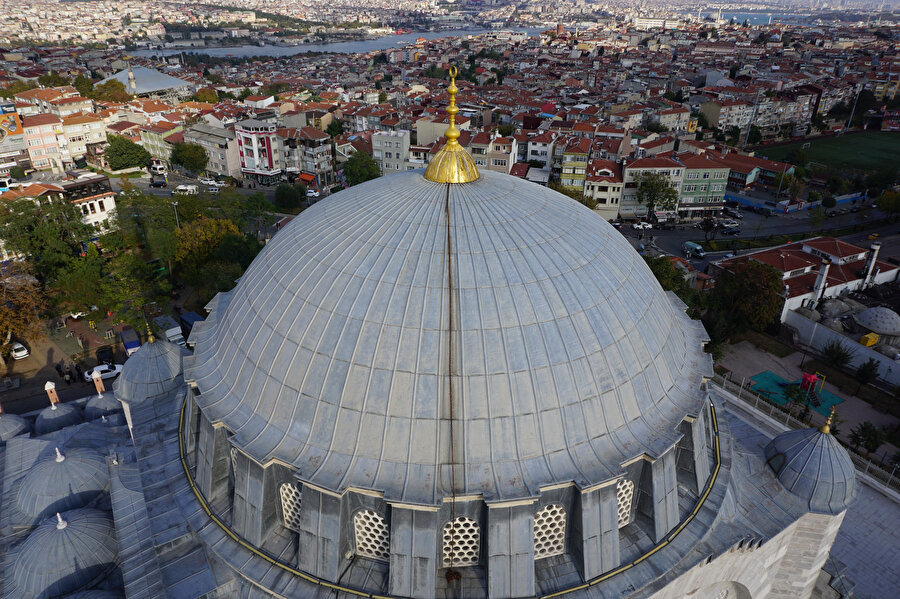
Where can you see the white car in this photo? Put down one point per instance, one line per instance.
(19, 351)
(220, 183)
(207, 181)
(312, 193)
(728, 224)
(641, 226)
(107, 371)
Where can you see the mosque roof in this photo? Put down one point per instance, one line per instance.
(56, 417)
(155, 369)
(332, 353)
(879, 319)
(64, 480)
(147, 80)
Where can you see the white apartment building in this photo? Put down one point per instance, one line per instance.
(221, 148)
(258, 147)
(671, 169)
(390, 149)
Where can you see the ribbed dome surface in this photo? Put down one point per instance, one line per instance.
(95, 595)
(333, 351)
(104, 405)
(54, 561)
(56, 486)
(815, 468)
(155, 369)
(12, 425)
(879, 319)
(56, 417)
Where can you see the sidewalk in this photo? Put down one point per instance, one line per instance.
(745, 360)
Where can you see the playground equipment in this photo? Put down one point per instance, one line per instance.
(812, 384)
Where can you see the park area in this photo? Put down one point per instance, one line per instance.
(865, 151)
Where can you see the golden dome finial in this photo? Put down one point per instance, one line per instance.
(826, 428)
(452, 164)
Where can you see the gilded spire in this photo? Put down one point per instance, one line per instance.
(826, 428)
(452, 164)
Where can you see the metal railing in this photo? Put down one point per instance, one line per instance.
(890, 478)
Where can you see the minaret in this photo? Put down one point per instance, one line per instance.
(132, 84)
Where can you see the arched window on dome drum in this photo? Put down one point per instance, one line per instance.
(549, 532)
(372, 535)
(290, 505)
(461, 542)
(624, 499)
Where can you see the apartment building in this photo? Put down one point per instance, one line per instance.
(502, 154)
(46, 141)
(668, 167)
(221, 148)
(308, 153)
(540, 149)
(157, 139)
(603, 183)
(258, 148)
(81, 131)
(703, 185)
(573, 166)
(727, 113)
(391, 150)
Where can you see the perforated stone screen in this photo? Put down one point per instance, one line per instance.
(372, 535)
(462, 540)
(549, 532)
(290, 505)
(624, 497)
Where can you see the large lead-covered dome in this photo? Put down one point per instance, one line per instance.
(332, 353)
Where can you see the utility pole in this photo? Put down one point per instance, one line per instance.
(752, 120)
(175, 208)
(852, 110)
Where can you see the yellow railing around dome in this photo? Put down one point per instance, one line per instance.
(359, 593)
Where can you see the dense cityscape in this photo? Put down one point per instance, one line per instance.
(466, 298)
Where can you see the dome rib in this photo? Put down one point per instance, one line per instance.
(330, 354)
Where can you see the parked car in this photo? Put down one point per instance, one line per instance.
(212, 189)
(158, 183)
(873, 236)
(832, 213)
(731, 231)
(220, 184)
(105, 356)
(616, 223)
(106, 371)
(733, 212)
(186, 189)
(19, 351)
(312, 193)
(727, 224)
(641, 226)
(207, 181)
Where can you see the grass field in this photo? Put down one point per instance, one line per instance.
(866, 151)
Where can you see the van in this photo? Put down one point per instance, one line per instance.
(186, 189)
(693, 250)
(158, 169)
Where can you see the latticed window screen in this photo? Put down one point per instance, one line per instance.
(290, 505)
(372, 536)
(624, 497)
(461, 540)
(549, 532)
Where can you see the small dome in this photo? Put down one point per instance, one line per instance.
(103, 405)
(66, 553)
(812, 465)
(154, 370)
(64, 481)
(879, 319)
(12, 425)
(56, 417)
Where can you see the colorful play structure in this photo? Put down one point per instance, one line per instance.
(772, 387)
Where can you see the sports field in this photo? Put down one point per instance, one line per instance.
(866, 151)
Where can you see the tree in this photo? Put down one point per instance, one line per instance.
(334, 128)
(670, 278)
(360, 167)
(16, 88)
(748, 295)
(84, 85)
(710, 228)
(191, 157)
(868, 435)
(889, 202)
(866, 373)
(835, 354)
(81, 283)
(755, 135)
(17, 173)
(206, 94)
(50, 234)
(506, 130)
(197, 240)
(23, 301)
(287, 197)
(111, 91)
(656, 191)
(52, 79)
(795, 396)
(828, 201)
(123, 153)
(382, 97)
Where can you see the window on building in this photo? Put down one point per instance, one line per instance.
(93, 208)
(290, 505)
(461, 542)
(549, 532)
(690, 188)
(706, 175)
(372, 535)
(84, 209)
(101, 206)
(693, 175)
(624, 499)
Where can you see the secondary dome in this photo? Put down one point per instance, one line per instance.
(155, 369)
(100, 406)
(56, 417)
(66, 553)
(811, 464)
(66, 480)
(12, 425)
(879, 319)
(332, 353)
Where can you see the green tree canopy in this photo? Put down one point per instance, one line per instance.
(334, 128)
(191, 157)
(23, 302)
(49, 234)
(124, 153)
(206, 94)
(111, 91)
(748, 295)
(506, 130)
(360, 167)
(16, 88)
(868, 435)
(287, 197)
(836, 354)
(84, 85)
(52, 79)
(17, 173)
(656, 192)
